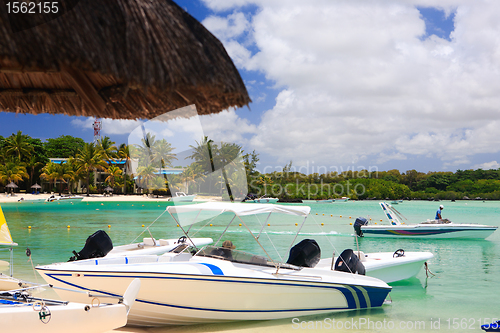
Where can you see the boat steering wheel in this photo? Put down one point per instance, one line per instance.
(399, 253)
(182, 239)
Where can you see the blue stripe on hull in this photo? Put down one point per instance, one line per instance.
(416, 232)
(354, 300)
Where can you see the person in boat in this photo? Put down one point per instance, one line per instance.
(438, 213)
(225, 250)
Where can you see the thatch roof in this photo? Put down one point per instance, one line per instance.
(114, 59)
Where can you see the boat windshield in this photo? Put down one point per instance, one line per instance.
(240, 257)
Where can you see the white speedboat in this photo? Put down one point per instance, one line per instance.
(388, 266)
(183, 197)
(65, 198)
(21, 312)
(215, 284)
(443, 228)
(343, 199)
(99, 245)
(263, 199)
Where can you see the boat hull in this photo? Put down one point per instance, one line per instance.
(387, 267)
(180, 299)
(437, 231)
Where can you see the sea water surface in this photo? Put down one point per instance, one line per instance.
(461, 296)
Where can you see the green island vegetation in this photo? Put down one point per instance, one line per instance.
(24, 161)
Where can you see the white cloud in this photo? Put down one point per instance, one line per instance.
(357, 82)
(487, 165)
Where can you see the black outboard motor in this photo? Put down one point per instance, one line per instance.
(360, 221)
(349, 262)
(305, 254)
(97, 246)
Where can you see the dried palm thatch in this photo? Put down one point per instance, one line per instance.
(123, 59)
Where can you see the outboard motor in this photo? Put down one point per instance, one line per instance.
(97, 246)
(360, 221)
(305, 254)
(349, 262)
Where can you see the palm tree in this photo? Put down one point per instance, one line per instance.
(114, 172)
(32, 164)
(12, 172)
(108, 148)
(124, 153)
(89, 158)
(61, 173)
(162, 153)
(227, 154)
(264, 180)
(18, 146)
(146, 174)
(203, 155)
(144, 153)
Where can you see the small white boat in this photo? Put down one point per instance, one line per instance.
(100, 245)
(216, 284)
(343, 199)
(388, 266)
(443, 228)
(20, 312)
(183, 197)
(65, 198)
(263, 199)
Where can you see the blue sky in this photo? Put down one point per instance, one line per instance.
(385, 85)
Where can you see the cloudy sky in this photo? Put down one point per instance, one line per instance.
(404, 84)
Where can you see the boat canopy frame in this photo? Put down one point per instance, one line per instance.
(239, 210)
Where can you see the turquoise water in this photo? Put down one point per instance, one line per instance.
(460, 297)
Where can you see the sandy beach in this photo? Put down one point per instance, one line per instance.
(99, 197)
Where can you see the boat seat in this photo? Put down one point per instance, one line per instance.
(149, 241)
(182, 257)
(142, 259)
(361, 256)
(163, 242)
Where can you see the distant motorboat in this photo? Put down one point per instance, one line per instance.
(263, 199)
(343, 199)
(395, 202)
(443, 228)
(72, 198)
(183, 197)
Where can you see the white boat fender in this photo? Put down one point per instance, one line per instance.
(131, 293)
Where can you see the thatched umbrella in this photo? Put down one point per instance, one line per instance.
(12, 186)
(123, 59)
(36, 187)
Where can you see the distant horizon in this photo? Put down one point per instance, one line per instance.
(313, 168)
